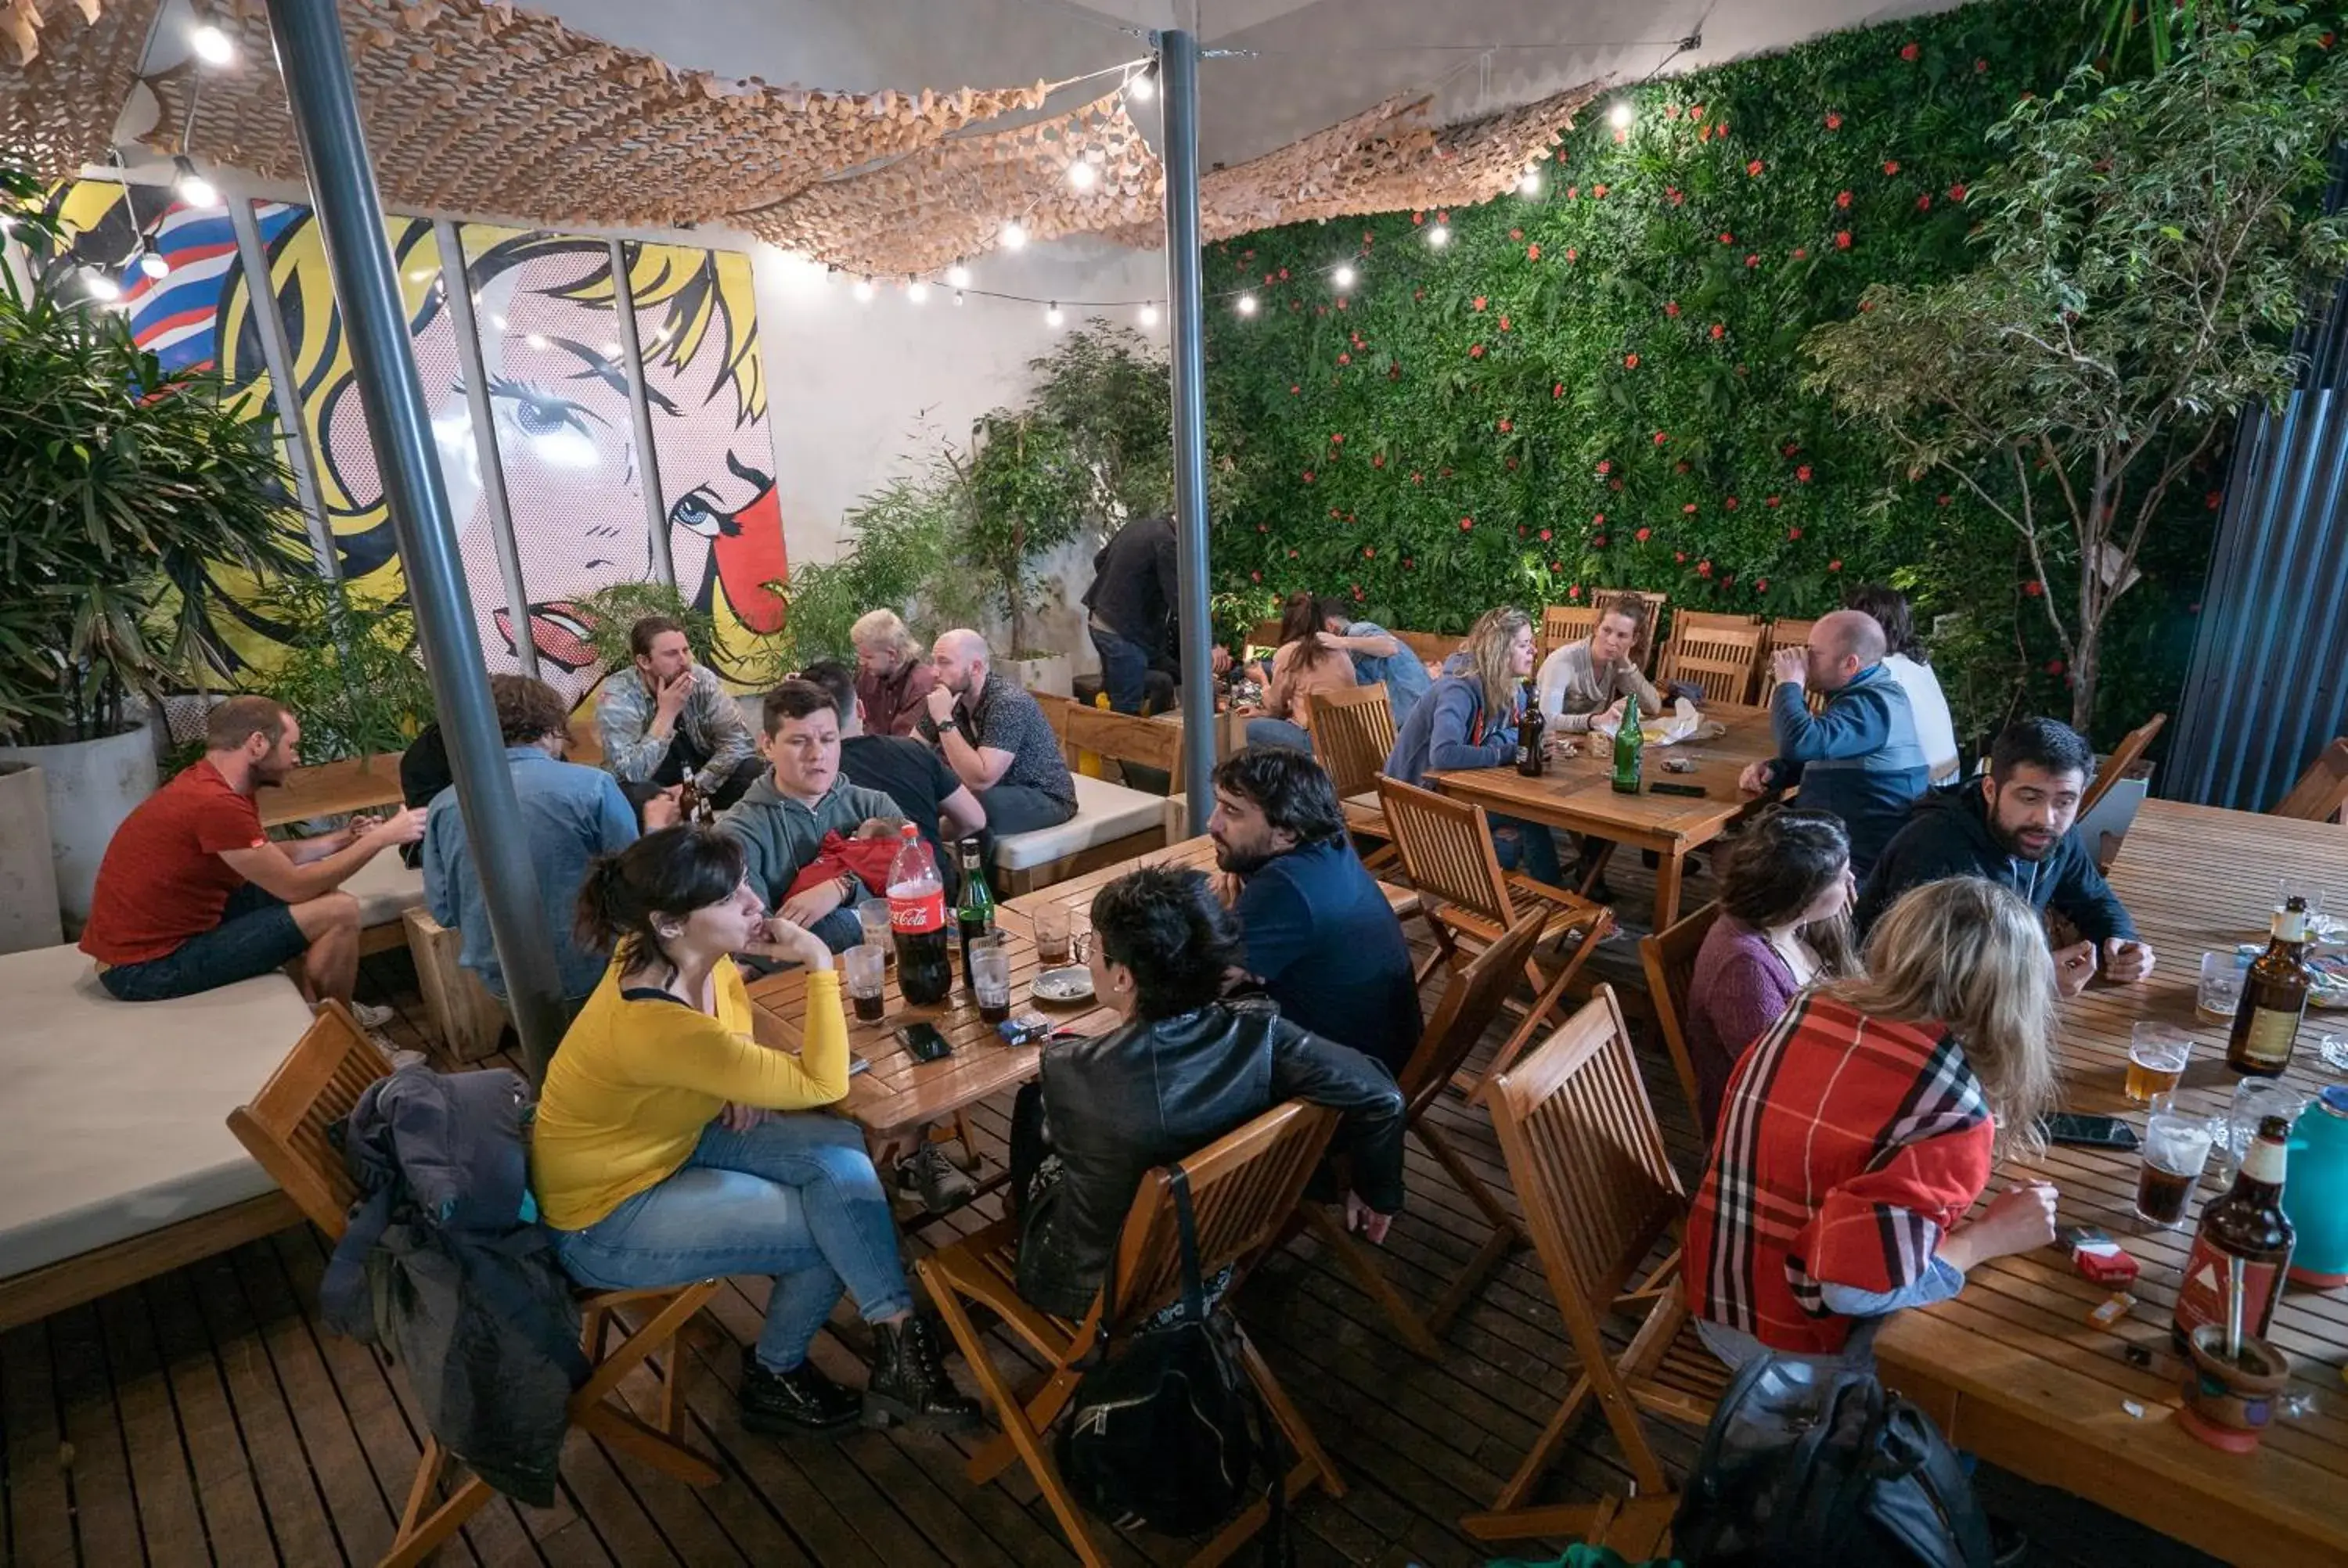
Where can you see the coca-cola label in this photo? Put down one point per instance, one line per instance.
(919, 914)
(2201, 1296)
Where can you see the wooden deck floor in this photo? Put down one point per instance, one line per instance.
(206, 1417)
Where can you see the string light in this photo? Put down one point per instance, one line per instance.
(194, 189)
(1439, 236)
(212, 46)
(152, 264)
(1619, 116)
(100, 286)
(1014, 235)
(1530, 183)
(1343, 277)
(916, 290)
(1142, 86)
(1149, 316)
(1081, 175)
(1052, 316)
(1246, 305)
(958, 276)
(863, 291)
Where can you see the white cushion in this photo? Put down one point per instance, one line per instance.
(1104, 813)
(115, 1122)
(385, 889)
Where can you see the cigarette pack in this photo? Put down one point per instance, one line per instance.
(2111, 1309)
(1025, 1030)
(2097, 1255)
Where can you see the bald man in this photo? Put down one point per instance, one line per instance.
(1860, 759)
(995, 737)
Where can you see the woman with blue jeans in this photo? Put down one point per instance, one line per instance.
(671, 1147)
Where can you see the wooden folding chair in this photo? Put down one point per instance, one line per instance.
(284, 1129)
(2322, 790)
(1447, 846)
(1789, 634)
(1687, 620)
(1471, 1001)
(1669, 958)
(1564, 623)
(2124, 757)
(1431, 647)
(1724, 662)
(1352, 735)
(1243, 1188)
(1587, 1161)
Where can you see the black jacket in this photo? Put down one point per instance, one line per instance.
(1133, 584)
(1949, 835)
(1147, 1094)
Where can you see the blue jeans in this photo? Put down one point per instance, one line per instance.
(257, 933)
(1536, 849)
(1125, 668)
(795, 1197)
(1279, 732)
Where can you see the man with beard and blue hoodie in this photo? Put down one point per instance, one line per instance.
(2015, 827)
(782, 818)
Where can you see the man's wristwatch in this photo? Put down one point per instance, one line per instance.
(927, 727)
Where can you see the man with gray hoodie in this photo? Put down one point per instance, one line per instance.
(781, 820)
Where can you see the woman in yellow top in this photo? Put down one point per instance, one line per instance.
(671, 1147)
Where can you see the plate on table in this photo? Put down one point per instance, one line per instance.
(1062, 987)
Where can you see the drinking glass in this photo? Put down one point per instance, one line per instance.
(2255, 1099)
(868, 967)
(990, 979)
(873, 915)
(1052, 927)
(2176, 1148)
(2156, 1057)
(2221, 992)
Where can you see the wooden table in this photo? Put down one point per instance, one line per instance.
(1577, 793)
(332, 789)
(2011, 1369)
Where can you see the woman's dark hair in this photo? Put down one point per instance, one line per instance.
(1888, 607)
(1293, 791)
(1169, 929)
(672, 871)
(1782, 861)
(1300, 623)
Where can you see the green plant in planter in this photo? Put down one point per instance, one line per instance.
(119, 482)
(1028, 491)
(2148, 254)
(349, 672)
(900, 555)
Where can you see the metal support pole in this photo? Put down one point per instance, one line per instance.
(285, 392)
(325, 104)
(483, 418)
(1177, 74)
(624, 305)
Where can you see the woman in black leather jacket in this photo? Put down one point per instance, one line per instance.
(1185, 1066)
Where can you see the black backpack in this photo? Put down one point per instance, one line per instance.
(1808, 1461)
(1166, 1432)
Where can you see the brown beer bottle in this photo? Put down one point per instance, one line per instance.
(2274, 998)
(1532, 760)
(2247, 1223)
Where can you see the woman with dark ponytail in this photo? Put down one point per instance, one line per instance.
(660, 1157)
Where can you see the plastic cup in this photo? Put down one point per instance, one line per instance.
(2221, 990)
(2156, 1057)
(1053, 924)
(990, 980)
(2176, 1148)
(867, 968)
(872, 914)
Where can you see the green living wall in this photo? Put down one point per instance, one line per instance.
(1597, 384)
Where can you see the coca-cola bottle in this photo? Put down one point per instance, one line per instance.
(917, 921)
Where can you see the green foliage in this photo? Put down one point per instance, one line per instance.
(1107, 392)
(350, 671)
(900, 555)
(1027, 490)
(1600, 384)
(610, 610)
(119, 483)
(2145, 264)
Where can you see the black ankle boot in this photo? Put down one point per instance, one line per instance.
(801, 1402)
(908, 1378)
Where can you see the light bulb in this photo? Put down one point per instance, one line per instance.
(1081, 175)
(1052, 316)
(100, 286)
(197, 192)
(1142, 86)
(1150, 315)
(1343, 277)
(958, 276)
(1247, 304)
(1619, 116)
(152, 262)
(212, 46)
(916, 290)
(863, 291)
(1439, 236)
(1014, 234)
(1530, 183)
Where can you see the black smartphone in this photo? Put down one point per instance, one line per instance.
(2084, 1132)
(1693, 792)
(924, 1042)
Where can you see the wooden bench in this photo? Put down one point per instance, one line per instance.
(1113, 823)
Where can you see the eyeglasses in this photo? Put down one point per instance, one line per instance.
(1082, 946)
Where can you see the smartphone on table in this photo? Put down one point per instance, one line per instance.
(2082, 1130)
(923, 1043)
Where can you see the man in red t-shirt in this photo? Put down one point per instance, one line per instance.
(192, 894)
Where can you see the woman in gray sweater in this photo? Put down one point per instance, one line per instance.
(1593, 674)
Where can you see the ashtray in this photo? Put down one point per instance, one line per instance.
(1063, 986)
(1679, 764)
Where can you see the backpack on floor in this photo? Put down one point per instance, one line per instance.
(1809, 1461)
(1165, 1432)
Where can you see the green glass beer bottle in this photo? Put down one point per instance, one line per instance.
(1629, 749)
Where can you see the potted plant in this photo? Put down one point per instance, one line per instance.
(349, 669)
(1027, 493)
(119, 481)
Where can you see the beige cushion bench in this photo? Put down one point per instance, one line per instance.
(116, 1160)
(387, 891)
(1112, 824)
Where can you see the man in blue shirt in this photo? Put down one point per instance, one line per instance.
(1379, 656)
(572, 814)
(1860, 759)
(1320, 935)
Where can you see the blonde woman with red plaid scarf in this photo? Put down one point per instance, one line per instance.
(1858, 1134)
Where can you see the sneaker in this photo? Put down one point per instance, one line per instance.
(909, 1382)
(929, 1175)
(801, 1402)
(371, 1018)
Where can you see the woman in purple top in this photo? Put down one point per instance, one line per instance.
(1785, 923)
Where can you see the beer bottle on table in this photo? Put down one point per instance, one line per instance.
(1630, 748)
(693, 807)
(917, 924)
(1530, 762)
(2247, 1223)
(974, 915)
(2274, 998)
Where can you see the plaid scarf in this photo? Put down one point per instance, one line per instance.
(1848, 1145)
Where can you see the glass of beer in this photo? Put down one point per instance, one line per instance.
(2157, 1055)
(1052, 928)
(2176, 1147)
(868, 969)
(990, 979)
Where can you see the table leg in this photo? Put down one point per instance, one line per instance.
(1668, 868)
